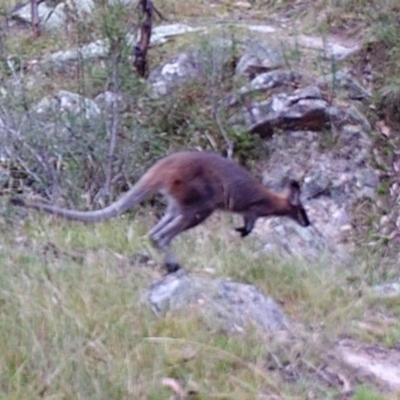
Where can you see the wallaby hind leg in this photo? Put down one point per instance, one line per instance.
(170, 213)
(163, 237)
(165, 220)
(170, 261)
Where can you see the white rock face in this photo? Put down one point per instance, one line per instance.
(52, 18)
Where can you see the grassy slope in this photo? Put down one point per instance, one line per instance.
(73, 322)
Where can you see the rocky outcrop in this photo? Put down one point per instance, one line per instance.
(372, 363)
(230, 306)
(303, 109)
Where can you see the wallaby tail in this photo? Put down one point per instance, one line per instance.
(136, 194)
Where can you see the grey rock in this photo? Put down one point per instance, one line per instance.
(302, 109)
(258, 58)
(93, 50)
(317, 184)
(333, 179)
(181, 69)
(3, 129)
(161, 33)
(375, 363)
(367, 177)
(343, 80)
(68, 104)
(24, 13)
(308, 92)
(323, 238)
(207, 63)
(356, 116)
(351, 135)
(387, 290)
(62, 115)
(270, 80)
(348, 114)
(106, 99)
(330, 49)
(258, 28)
(53, 18)
(231, 306)
(99, 49)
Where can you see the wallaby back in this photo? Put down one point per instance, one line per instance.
(207, 177)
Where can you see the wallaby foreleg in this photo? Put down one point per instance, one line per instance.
(249, 222)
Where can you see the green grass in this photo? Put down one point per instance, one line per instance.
(74, 323)
(365, 393)
(82, 330)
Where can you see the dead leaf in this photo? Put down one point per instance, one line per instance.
(383, 129)
(175, 386)
(346, 387)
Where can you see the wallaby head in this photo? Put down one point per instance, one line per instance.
(271, 204)
(296, 209)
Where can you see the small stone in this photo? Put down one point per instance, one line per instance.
(243, 4)
(384, 220)
(387, 290)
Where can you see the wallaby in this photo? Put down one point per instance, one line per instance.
(195, 184)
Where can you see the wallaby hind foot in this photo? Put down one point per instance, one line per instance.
(172, 267)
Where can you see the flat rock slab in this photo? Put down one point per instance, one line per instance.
(374, 362)
(224, 304)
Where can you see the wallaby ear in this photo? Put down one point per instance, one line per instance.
(294, 193)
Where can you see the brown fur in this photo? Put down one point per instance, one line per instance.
(195, 185)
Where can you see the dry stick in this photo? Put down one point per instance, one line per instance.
(141, 48)
(35, 17)
(140, 62)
